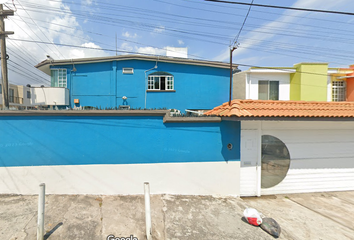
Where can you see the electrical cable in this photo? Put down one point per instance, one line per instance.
(243, 24)
(39, 28)
(282, 7)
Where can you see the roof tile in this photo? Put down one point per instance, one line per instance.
(269, 108)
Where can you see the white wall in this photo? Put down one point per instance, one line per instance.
(206, 178)
(50, 96)
(254, 77)
(177, 52)
(321, 154)
(329, 89)
(26, 101)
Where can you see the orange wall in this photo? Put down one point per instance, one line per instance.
(350, 89)
(350, 85)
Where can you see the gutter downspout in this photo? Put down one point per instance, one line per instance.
(146, 78)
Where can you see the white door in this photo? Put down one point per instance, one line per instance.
(249, 182)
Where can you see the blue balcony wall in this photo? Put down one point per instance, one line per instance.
(103, 85)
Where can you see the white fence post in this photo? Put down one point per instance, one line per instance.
(147, 211)
(41, 202)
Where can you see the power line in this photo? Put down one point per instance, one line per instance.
(282, 7)
(254, 10)
(39, 28)
(29, 35)
(28, 71)
(20, 49)
(137, 23)
(20, 72)
(132, 52)
(243, 24)
(203, 34)
(69, 45)
(332, 30)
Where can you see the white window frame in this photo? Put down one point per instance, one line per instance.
(339, 88)
(128, 70)
(169, 82)
(61, 82)
(268, 85)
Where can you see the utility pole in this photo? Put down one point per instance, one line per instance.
(3, 35)
(232, 48)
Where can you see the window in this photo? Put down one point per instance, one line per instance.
(128, 70)
(11, 95)
(58, 78)
(275, 161)
(338, 91)
(160, 81)
(28, 94)
(268, 90)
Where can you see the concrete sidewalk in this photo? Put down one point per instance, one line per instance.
(301, 216)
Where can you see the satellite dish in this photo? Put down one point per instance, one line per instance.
(3, 1)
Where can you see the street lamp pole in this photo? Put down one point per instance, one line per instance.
(231, 51)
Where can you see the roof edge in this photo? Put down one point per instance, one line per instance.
(44, 66)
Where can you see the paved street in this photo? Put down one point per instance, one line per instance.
(301, 216)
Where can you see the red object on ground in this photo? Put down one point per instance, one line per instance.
(254, 221)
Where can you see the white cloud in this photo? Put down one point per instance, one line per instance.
(126, 47)
(159, 29)
(128, 35)
(83, 52)
(88, 2)
(180, 42)
(59, 27)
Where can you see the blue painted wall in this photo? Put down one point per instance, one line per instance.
(63, 140)
(104, 84)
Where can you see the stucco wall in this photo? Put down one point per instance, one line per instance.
(239, 85)
(116, 154)
(284, 84)
(309, 83)
(321, 156)
(52, 96)
(104, 84)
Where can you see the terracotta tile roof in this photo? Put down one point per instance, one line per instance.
(269, 108)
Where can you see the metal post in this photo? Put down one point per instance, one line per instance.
(3, 34)
(147, 211)
(41, 202)
(231, 50)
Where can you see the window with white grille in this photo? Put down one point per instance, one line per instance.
(160, 81)
(58, 78)
(338, 91)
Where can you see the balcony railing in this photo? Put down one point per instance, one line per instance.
(18, 100)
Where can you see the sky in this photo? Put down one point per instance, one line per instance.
(66, 29)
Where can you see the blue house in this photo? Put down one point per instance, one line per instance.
(136, 81)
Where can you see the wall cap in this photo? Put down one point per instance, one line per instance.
(102, 113)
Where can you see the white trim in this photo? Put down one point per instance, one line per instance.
(259, 159)
(288, 71)
(128, 70)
